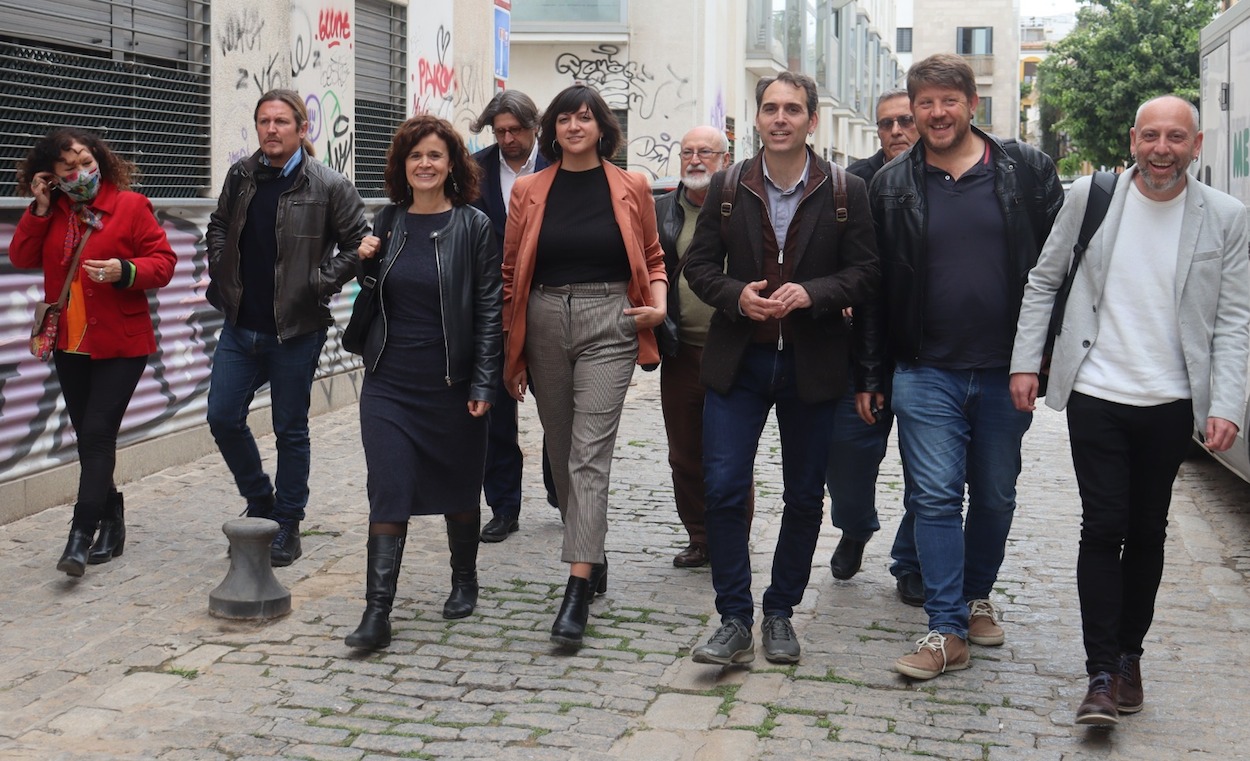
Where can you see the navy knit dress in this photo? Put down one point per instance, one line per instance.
(425, 453)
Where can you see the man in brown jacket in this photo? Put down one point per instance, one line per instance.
(798, 247)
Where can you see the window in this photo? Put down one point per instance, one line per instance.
(903, 40)
(984, 116)
(134, 71)
(974, 40)
(544, 12)
(381, 64)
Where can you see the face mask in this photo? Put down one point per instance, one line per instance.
(82, 185)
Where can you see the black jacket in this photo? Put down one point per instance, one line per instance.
(836, 263)
(866, 169)
(470, 284)
(891, 327)
(491, 200)
(321, 212)
(670, 217)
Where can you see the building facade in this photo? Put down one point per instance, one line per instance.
(171, 85)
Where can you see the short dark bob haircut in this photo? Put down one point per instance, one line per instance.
(464, 178)
(44, 154)
(569, 101)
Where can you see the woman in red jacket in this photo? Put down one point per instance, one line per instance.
(105, 333)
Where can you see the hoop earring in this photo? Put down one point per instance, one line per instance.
(455, 186)
(555, 149)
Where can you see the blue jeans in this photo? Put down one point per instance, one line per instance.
(243, 362)
(958, 427)
(855, 454)
(732, 424)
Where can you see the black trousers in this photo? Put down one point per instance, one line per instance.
(1126, 459)
(97, 392)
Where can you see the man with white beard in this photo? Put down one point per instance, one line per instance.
(703, 152)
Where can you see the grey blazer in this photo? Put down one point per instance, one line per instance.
(1212, 298)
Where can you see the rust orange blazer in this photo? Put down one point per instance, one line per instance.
(635, 214)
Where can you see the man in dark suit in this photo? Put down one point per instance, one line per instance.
(513, 118)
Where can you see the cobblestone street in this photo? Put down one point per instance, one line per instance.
(126, 663)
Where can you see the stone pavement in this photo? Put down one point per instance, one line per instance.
(125, 663)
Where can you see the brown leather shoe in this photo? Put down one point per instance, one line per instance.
(936, 653)
(694, 556)
(1130, 697)
(1098, 708)
(983, 628)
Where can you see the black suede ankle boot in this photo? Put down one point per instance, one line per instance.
(110, 542)
(381, 576)
(462, 540)
(599, 577)
(570, 624)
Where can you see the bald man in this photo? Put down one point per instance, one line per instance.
(1154, 345)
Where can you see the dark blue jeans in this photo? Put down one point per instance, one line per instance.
(958, 427)
(502, 482)
(732, 424)
(855, 454)
(244, 361)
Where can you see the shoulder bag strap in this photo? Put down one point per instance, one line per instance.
(1101, 189)
(73, 265)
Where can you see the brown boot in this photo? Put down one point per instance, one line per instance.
(1098, 708)
(1130, 697)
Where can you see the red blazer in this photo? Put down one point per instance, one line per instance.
(120, 322)
(635, 214)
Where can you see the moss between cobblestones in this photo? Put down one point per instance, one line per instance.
(184, 673)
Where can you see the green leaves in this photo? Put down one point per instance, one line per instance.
(1121, 53)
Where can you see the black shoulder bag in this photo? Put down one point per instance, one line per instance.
(1101, 189)
(368, 305)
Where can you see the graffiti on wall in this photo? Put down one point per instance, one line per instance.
(35, 432)
(323, 69)
(431, 67)
(651, 92)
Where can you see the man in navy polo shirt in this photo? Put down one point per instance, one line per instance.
(959, 224)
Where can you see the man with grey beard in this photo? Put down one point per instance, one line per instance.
(1153, 344)
(703, 152)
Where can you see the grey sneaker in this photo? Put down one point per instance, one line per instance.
(780, 643)
(731, 643)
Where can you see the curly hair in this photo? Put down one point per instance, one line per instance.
(43, 156)
(464, 178)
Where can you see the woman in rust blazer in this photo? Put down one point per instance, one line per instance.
(584, 284)
(105, 331)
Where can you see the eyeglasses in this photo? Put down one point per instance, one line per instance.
(704, 153)
(509, 131)
(905, 121)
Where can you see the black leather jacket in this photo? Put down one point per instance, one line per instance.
(670, 217)
(891, 327)
(322, 211)
(470, 284)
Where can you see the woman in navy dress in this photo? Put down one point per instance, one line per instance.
(432, 364)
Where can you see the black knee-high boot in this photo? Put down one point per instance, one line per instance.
(462, 540)
(110, 542)
(570, 624)
(381, 576)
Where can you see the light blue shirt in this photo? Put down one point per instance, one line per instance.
(783, 203)
(290, 165)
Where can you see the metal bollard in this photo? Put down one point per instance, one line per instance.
(250, 591)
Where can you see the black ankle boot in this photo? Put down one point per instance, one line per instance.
(599, 576)
(381, 575)
(74, 560)
(110, 542)
(570, 625)
(462, 540)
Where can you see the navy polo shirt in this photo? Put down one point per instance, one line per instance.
(967, 316)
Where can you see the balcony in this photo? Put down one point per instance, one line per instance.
(982, 65)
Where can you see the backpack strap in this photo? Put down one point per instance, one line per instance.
(728, 192)
(841, 213)
(1101, 189)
